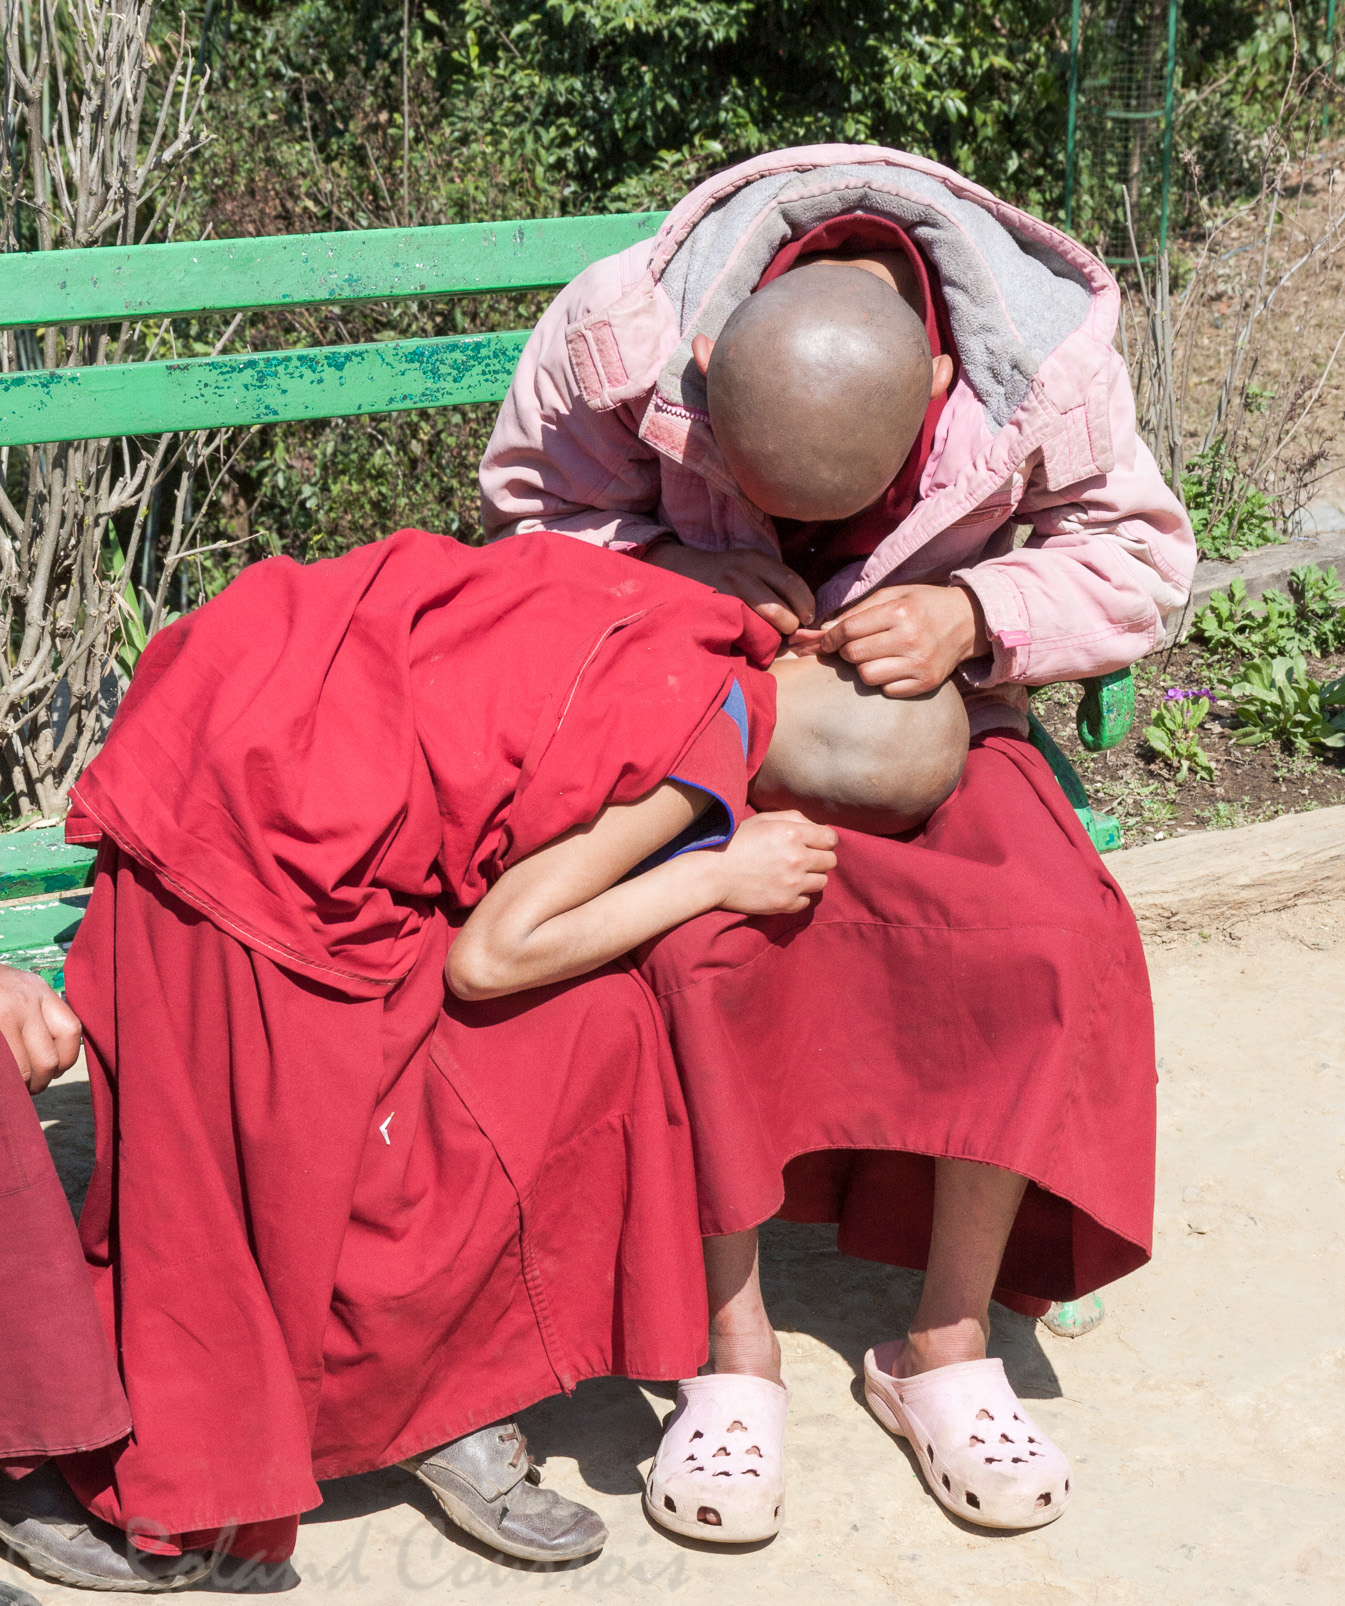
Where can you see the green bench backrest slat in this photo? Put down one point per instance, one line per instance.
(35, 936)
(33, 862)
(264, 388)
(147, 281)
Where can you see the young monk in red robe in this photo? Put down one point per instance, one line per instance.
(341, 1218)
(883, 408)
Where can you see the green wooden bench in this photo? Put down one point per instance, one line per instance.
(41, 880)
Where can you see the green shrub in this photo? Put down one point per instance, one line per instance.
(1309, 618)
(1229, 514)
(1278, 700)
(1320, 602)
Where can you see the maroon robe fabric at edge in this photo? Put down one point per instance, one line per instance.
(977, 990)
(337, 1218)
(58, 1383)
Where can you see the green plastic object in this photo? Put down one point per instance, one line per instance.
(144, 398)
(34, 862)
(1072, 1318)
(1061, 767)
(1106, 711)
(149, 281)
(1104, 830)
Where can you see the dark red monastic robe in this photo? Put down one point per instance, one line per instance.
(58, 1384)
(337, 1217)
(976, 989)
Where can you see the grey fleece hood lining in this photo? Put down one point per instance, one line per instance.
(1010, 301)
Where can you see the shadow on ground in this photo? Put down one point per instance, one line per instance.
(67, 1119)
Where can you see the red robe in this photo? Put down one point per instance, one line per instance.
(58, 1384)
(337, 1217)
(976, 989)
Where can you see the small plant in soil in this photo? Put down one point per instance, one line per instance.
(1172, 734)
(1278, 700)
(1227, 815)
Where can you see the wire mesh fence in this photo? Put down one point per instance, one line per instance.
(1123, 56)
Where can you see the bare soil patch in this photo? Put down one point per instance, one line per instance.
(1139, 788)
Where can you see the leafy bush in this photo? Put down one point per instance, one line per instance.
(1310, 618)
(1320, 601)
(1229, 514)
(1278, 700)
(1172, 735)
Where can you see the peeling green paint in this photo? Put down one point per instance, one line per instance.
(150, 281)
(260, 388)
(1106, 711)
(33, 862)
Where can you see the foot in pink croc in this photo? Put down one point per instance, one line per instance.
(981, 1454)
(720, 1473)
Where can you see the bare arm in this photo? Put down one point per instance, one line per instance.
(561, 913)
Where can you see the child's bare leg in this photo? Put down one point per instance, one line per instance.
(974, 1210)
(741, 1337)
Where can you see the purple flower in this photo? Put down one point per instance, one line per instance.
(1176, 694)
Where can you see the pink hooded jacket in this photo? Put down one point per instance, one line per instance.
(605, 435)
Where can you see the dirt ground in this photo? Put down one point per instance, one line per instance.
(1249, 783)
(1204, 1418)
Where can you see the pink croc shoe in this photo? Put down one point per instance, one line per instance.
(982, 1455)
(720, 1471)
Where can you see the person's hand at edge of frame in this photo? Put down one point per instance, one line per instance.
(42, 1031)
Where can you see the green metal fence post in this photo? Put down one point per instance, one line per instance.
(1167, 124)
(1072, 114)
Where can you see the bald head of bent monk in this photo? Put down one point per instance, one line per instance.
(817, 388)
(843, 754)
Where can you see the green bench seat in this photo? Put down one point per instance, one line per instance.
(40, 878)
(42, 899)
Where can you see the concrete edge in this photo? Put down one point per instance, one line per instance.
(1215, 879)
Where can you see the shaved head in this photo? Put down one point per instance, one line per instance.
(843, 754)
(817, 389)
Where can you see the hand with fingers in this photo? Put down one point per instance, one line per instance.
(905, 639)
(764, 583)
(776, 864)
(42, 1031)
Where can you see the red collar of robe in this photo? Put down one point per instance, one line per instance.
(818, 549)
(325, 757)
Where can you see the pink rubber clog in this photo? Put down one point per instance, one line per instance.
(982, 1455)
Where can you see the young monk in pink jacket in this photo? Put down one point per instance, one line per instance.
(883, 407)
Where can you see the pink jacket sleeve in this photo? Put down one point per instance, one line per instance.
(1108, 562)
(554, 462)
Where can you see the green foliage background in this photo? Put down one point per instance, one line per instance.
(519, 108)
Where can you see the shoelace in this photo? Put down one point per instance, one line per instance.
(512, 1435)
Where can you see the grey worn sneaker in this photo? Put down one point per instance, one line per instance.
(43, 1524)
(12, 1595)
(487, 1484)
